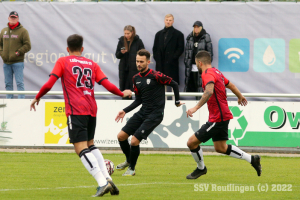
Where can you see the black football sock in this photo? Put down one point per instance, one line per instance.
(126, 149)
(134, 154)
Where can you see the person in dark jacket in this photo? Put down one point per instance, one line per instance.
(128, 46)
(196, 41)
(168, 47)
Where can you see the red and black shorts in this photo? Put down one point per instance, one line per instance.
(216, 130)
(81, 128)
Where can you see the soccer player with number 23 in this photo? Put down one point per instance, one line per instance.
(78, 76)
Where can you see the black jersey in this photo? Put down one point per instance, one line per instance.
(150, 91)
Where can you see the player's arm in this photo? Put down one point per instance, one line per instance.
(136, 103)
(241, 99)
(174, 85)
(113, 89)
(209, 90)
(46, 88)
(101, 79)
(122, 113)
(166, 80)
(56, 73)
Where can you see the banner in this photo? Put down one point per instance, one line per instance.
(256, 45)
(263, 124)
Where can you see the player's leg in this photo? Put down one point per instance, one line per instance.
(98, 155)
(95, 151)
(201, 136)
(124, 144)
(129, 129)
(197, 153)
(148, 125)
(77, 127)
(134, 154)
(220, 145)
(235, 152)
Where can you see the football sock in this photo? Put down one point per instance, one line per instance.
(91, 164)
(134, 154)
(126, 149)
(235, 152)
(98, 155)
(198, 157)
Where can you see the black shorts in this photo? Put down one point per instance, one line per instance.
(216, 130)
(141, 125)
(81, 128)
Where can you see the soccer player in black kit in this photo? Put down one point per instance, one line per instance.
(150, 92)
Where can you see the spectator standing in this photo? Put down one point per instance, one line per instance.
(128, 46)
(196, 41)
(168, 47)
(14, 43)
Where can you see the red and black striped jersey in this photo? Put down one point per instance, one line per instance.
(217, 103)
(149, 86)
(78, 76)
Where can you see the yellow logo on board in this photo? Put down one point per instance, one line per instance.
(56, 123)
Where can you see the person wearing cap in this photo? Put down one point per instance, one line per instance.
(196, 41)
(14, 43)
(168, 47)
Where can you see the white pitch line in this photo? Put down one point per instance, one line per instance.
(135, 184)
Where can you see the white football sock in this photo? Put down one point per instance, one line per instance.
(198, 157)
(91, 164)
(96, 152)
(235, 152)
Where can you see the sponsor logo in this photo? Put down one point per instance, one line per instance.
(87, 93)
(234, 54)
(269, 55)
(56, 128)
(138, 82)
(81, 61)
(294, 56)
(4, 129)
(5, 36)
(275, 117)
(14, 36)
(148, 81)
(237, 129)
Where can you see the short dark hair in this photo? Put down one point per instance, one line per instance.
(144, 52)
(75, 42)
(204, 57)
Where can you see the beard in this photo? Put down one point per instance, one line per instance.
(141, 68)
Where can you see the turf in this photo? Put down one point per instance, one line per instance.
(62, 176)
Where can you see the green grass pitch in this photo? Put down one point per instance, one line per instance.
(62, 176)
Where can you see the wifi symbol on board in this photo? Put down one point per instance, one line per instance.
(233, 55)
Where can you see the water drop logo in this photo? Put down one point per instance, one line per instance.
(234, 54)
(269, 55)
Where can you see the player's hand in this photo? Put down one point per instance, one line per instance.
(32, 105)
(120, 116)
(123, 51)
(127, 93)
(191, 111)
(179, 104)
(242, 101)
